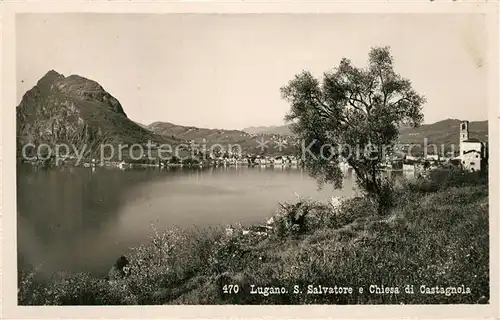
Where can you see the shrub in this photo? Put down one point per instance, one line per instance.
(290, 218)
(446, 177)
(29, 288)
(72, 289)
(293, 219)
(227, 255)
(456, 177)
(352, 209)
(306, 216)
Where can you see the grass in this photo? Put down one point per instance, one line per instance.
(433, 236)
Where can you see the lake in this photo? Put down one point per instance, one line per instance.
(83, 219)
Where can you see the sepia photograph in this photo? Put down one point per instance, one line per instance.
(252, 159)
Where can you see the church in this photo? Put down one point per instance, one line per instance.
(473, 155)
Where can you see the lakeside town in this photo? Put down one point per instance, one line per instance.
(471, 155)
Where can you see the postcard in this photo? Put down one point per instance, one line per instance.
(250, 159)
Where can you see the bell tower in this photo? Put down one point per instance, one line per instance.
(464, 131)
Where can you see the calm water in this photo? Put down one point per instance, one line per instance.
(79, 219)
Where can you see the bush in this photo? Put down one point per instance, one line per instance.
(72, 289)
(294, 219)
(290, 218)
(29, 288)
(352, 209)
(306, 216)
(443, 178)
(228, 255)
(456, 177)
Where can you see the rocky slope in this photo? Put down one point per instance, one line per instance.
(76, 111)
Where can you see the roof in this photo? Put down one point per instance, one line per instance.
(467, 152)
(473, 140)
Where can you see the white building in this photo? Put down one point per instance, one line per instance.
(408, 167)
(433, 157)
(472, 151)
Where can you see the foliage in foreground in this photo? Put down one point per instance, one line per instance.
(432, 237)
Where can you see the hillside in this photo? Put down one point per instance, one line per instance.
(76, 111)
(142, 125)
(188, 133)
(444, 132)
(249, 143)
(283, 130)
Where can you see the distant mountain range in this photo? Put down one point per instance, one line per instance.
(280, 130)
(247, 142)
(77, 111)
(188, 133)
(442, 132)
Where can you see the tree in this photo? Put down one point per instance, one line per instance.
(427, 164)
(353, 114)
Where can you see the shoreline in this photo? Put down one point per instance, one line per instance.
(199, 262)
(89, 164)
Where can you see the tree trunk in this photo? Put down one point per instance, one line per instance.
(380, 207)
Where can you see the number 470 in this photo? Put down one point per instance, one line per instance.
(230, 288)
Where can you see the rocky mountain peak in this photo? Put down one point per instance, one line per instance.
(75, 110)
(77, 87)
(88, 90)
(45, 83)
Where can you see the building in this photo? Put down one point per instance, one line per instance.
(472, 151)
(432, 157)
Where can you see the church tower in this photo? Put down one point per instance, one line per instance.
(464, 131)
(464, 135)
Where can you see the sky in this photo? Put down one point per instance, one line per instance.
(225, 71)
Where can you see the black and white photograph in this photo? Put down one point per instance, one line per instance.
(253, 159)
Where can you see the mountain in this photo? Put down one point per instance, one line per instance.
(442, 132)
(283, 130)
(76, 111)
(248, 142)
(142, 125)
(188, 133)
(445, 132)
